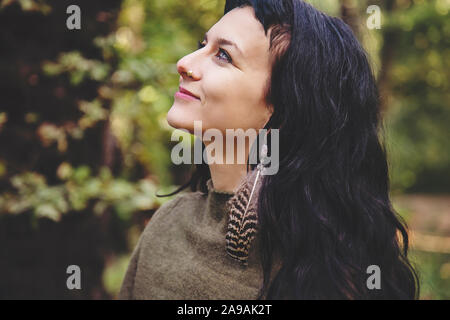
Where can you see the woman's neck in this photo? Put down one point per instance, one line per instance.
(227, 177)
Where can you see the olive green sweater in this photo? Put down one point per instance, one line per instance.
(181, 254)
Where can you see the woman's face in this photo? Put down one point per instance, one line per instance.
(228, 80)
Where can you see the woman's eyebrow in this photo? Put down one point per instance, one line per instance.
(225, 42)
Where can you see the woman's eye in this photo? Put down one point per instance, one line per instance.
(200, 45)
(222, 53)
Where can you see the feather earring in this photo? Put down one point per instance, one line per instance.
(243, 218)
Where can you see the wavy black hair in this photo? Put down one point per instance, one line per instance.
(326, 216)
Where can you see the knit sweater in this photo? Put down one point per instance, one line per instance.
(181, 254)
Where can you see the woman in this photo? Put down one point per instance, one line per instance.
(324, 221)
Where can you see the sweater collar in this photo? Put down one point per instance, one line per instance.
(210, 186)
(217, 201)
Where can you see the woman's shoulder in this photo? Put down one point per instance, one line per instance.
(184, 200)
(173, 213)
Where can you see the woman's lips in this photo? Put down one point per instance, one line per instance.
(185, 96)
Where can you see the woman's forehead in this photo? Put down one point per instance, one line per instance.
(241, 27)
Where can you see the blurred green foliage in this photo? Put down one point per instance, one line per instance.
(418, 114)
(435, 274)
(33, 193)
(135, 77)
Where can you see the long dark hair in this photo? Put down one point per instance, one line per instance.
(326, 215)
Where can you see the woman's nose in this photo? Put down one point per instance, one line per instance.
(186, 68)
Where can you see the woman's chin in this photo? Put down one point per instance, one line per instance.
(179, 121)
